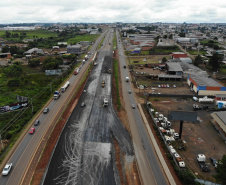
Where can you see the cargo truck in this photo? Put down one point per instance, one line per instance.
(65, 86)
(56, 95)
(127, 79)
(201, 158)
(76, 71)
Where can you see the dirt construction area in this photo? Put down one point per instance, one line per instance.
(200, 137)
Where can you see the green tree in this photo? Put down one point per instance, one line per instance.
(182, 34)
(165, 36)
(13, 83)
(34, 62)
(214, 62)
(164, 60)
(198, 60)
(221, 171)
(14, 70)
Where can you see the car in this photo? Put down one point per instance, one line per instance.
(133, 106)
(36, 122)
(83, 104)
(213, 161)
(124, 67)
(32, 131)
(7, 168)
(162, 85)
(145, 86)
(159, 86)
(174, 86)
(167, 85)
(195, 98)
(129, 91)
(46, 110)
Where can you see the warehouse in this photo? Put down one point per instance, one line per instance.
(203, 84)
(219, 121)
(174, 68)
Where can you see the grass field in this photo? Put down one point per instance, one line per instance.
(150, 59)
(31, 33)
(79, 38)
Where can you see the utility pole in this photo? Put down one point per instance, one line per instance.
(1, 142)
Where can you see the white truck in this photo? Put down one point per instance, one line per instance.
(201, 158)
(65, 86)
(105, 102)
(205, 99)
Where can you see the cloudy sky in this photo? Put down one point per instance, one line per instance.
(106, 11)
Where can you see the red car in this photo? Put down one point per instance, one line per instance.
(32, 130)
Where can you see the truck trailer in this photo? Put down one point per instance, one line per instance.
(65, 86)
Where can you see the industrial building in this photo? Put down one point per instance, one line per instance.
(174, 68)
(203, 84)
(219, 121)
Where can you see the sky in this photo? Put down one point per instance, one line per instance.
(105, 11)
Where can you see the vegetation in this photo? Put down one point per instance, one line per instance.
(221, 169)
(198, 60)
(114, 41)
(116, 77)
(79, 38)
(163, 50)
(214, 62)
(211, 43)
(101, 43)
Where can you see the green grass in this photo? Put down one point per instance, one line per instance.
(196, 52)
(117, 83)
(144, 53)
(30, 33)
(79, 38)
(101, 43)
(114, 41)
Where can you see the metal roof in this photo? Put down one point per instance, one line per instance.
(222, 116)
(169, 76)
(174, 66)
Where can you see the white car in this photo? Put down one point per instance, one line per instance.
(7, 169)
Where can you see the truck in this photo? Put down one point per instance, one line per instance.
(86, 57)
(201, 159)
(65, 86)
(105, 102)
(205, 99)
(56, 95)
(76, 71)
(127, 79)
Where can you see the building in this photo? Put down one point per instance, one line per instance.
(203, 84)
(219, 121)
(220, 97)
(185, 59)
(5, 55)
(177, 55)
(174, 68)
(76, 49)
(85, 43)
(34, 51)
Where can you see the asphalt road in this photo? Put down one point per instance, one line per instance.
(22, 156)
(149, 166)
(83, 154)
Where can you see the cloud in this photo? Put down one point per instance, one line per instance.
(14, 11)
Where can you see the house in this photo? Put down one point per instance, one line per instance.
(85, 43)
(76, 49)
(5, 55)
(34, 51)
(177, 55)
(220, 97)
(186, 59)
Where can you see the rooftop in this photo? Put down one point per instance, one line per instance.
(174, 66)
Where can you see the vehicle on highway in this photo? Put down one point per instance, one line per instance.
(129, 91)
(103, 83)
(36, 122)
(7, 168)
(213, 161)
(83, 104)
(127, 79)
(46, 110)
(124, 67)
(32, 131)
(133, 106)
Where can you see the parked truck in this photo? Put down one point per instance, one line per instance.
(201, 158)
(105, 102)
(65, 86)
(56, 95)
(205, 99)
(76, 71)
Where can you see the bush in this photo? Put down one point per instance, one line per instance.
(13, 83)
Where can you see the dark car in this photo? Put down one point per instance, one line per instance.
(36, 122)
(213, 161)
(46, 110)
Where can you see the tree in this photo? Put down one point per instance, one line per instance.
(14, 70)
(34, 62)
(214, 61)
(164, 60)
(182, 34)
(221, 169)
(198, 60)
(165, 36)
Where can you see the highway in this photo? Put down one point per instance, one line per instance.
(23, 153)
(148, 163)
(84, 151)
